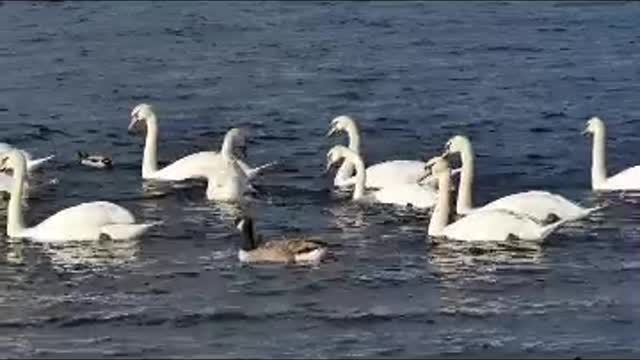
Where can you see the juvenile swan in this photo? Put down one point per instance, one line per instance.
(484, 225)
(628, 179)
(378, 175)
(395, 193)
(541, 205)
(87, 221)
(254, 250)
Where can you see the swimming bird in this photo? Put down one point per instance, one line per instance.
(403, 194)
(381, 174)
(628, 179)
(196, 165)
(293, 250)
(32, 164)
(87, 221)
(95, 161)
(482, 225)
(537, 204)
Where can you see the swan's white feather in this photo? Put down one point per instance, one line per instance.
(497, 225)
(405, 194)
(538, 205)
(87, 221)
(628, 179)
(196, 165)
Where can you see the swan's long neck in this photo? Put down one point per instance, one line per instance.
(440, 216)
(346, 169)
(356, 160)
(15, 220)
(227, 145)
(464, 203)
(599, 154)
(150, 156)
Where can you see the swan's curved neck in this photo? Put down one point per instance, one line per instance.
(346, 169)
(227, 145)
(356, 160)
(354, 137)
(150, 157)
(599, 155)
(440, 216)
(464, 202)
(15, 220)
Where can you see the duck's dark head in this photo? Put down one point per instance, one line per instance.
(249, 239)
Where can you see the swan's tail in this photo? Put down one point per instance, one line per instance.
(34, 164)
(127, 231)
(259, 169)
(549, 229)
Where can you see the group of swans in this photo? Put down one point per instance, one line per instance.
(228, 178)
(530, 215)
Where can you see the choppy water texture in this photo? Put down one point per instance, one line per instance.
(519, 78)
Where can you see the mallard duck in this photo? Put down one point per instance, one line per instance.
(95, 161)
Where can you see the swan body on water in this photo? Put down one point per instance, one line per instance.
(198, 165)
(628, 179)
(230, 183)
(377, 175)
(403, 194)
(295, 250)
(481, 225)
(32, 164)
(87, 221)
(536, 204)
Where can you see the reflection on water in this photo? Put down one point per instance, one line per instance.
(91, 253)
(456, 260)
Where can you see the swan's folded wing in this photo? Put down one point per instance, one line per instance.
(406, 194)
(493, 225)
(628, 179)
(538, 205)
(394, 172)
(193, 166)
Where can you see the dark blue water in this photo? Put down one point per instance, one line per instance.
(519, 78)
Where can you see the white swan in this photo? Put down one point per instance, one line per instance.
(628, 179)
(378, 175)
(32, 164)
(87, 221)
(397, 193)
(484, 225)
(197, 165)
(237, 138)
(538, 204)
(229, 184)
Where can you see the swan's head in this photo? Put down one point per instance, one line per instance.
(335, 155)
(341, 123)
(141, 113)
(457, 144)
(12, 160)
(437, 165)
(238, 137)
(593, 125)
